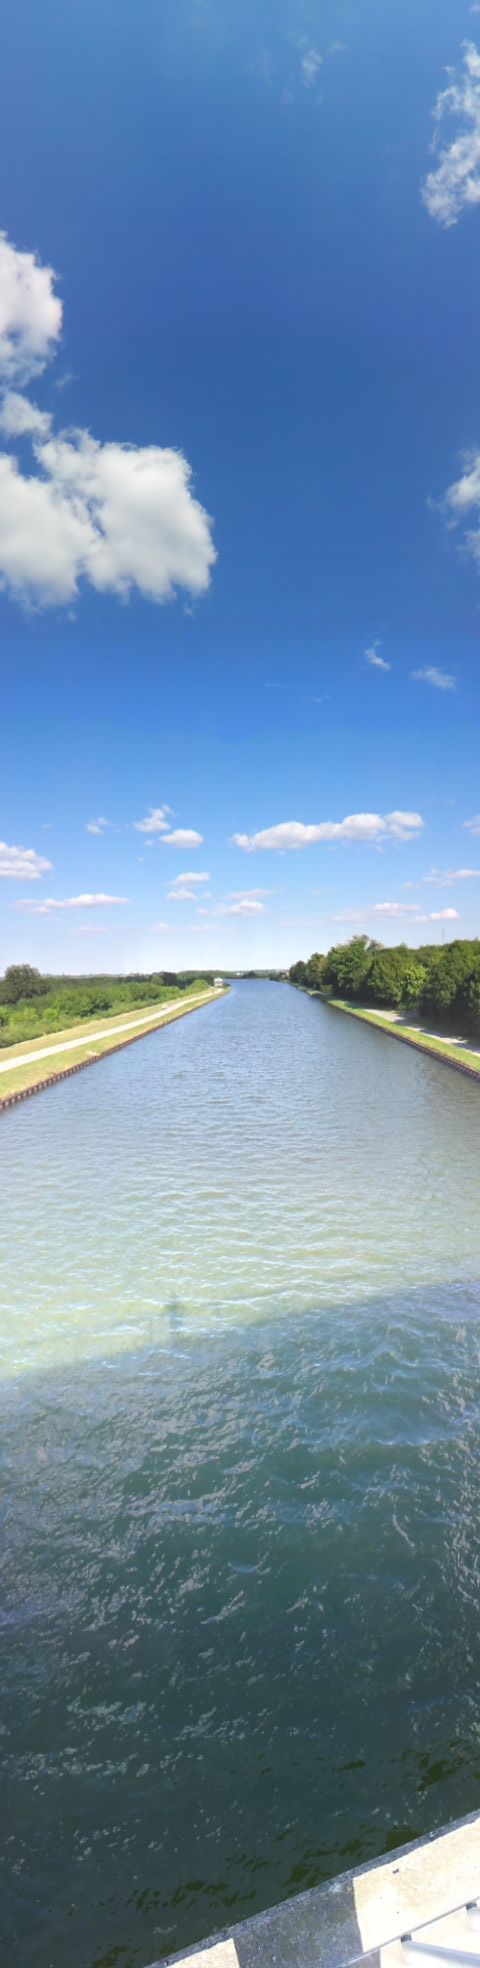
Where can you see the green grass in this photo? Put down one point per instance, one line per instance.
(90, 1046)
(455, 1054)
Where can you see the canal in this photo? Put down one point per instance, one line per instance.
(240, 1386)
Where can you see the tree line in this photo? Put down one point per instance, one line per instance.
(437, 982)
(32, 1004)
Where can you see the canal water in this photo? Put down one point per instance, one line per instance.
(240, 1388)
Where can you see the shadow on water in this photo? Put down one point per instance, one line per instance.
(240, 1618)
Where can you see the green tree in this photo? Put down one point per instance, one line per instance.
(449, 976)
(21, 981)
(315, 971)
(474, 995)
(414, 981)
(348, 966)
(386, 978)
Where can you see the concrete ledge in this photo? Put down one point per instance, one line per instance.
(356, 1915)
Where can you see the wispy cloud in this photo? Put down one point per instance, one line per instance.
(473, 825)
(22, 863)
(52, 903)
(394, 912)
(251, 894)
(97, 826)
(439, 679)
(304, 922)
(312, 60)
(162, 929)
(454, 184)
(445, 877)
(88, 929)
(362, 828)
(181, 895)
(310, 64)
(63, 382)
(372, 656)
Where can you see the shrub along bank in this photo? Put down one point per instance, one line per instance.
(32, 1005)
(441, 983)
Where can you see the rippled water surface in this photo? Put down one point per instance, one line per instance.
(240, 1573)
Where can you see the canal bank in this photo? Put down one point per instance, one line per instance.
(26, 1073)
(446, 1051)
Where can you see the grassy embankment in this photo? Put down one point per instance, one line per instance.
(90, 1046)
(452, 1055)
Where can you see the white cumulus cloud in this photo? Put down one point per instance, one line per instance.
(97, 826)
(473, 825)
(20, 418)
(42, 538)
(462, 503)
(22, 863)
(156, 821)
(183, 837)
(357, 827)
(30, 313)
(189, 879)
(113, 515)
(117, 516)
(441, 915)
(454, 183)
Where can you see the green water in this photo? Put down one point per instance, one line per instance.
(240, 1572)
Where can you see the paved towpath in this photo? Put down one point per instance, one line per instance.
(109, 1032)
(397, 1018)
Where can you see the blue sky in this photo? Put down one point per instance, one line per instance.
(242, 292)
